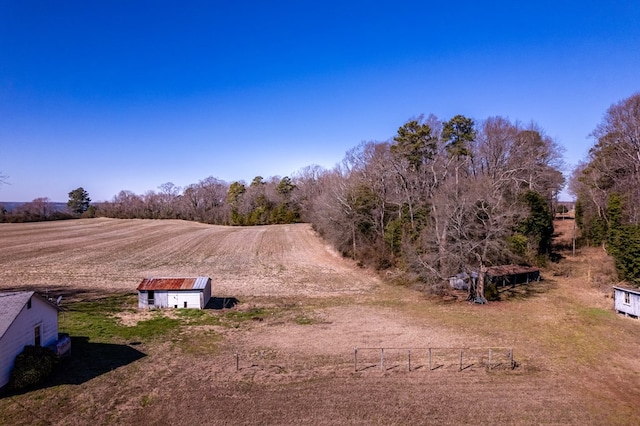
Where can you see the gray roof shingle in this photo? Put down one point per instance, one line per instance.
(10, 306)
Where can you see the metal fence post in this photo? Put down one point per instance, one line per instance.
(355, 359)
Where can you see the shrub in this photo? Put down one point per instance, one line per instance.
(491, 291)
(32, 366)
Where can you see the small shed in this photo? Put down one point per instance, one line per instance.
(626, 301)
(193, 292)
(25, 319)
(504, 275)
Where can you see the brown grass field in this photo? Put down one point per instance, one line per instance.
(577, 361)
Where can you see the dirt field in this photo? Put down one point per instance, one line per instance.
(576, 360)
(114, 255)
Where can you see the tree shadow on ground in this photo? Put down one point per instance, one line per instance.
(69, 294)
(87, 361)
(222, 303)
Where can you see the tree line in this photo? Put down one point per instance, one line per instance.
(607, 188)
(262, 202)
(43, 209)
(438, 198)
(443, 197)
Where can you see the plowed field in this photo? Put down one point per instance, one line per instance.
(114, 255)
(576, 359)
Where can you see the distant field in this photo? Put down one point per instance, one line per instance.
(285, 353)
(114, 255)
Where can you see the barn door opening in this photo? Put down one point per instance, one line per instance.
(150, 298)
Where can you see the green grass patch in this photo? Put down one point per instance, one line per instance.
(596, 315)
(97, 320)
(304, 320)
(103, 326)
(198, 317)
(146, 400)
(254, 314)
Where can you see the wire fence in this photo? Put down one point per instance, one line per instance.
(430, 359)
(407, 359)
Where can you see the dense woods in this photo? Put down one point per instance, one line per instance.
(442, 197)
(607, 187)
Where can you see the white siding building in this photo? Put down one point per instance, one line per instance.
(627, 301)
(25, 319)
(174, 292)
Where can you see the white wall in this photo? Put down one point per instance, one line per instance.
(142, 299)
(160, 299)
(21, 334)
(195, 299)
(631, 308)
(192, 298)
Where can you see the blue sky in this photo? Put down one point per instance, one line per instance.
(128, 95)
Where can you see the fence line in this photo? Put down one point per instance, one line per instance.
(431, 351)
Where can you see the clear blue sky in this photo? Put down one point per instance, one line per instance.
(128, 95)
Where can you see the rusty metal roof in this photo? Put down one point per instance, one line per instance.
(501, 270)
(190, 283)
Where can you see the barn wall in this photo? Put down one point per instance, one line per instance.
(161, 299)
(21, 334)
(192, 298)
(142, 299)
(632, 308)
(196, 299)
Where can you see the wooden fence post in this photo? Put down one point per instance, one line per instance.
(237, 362)
(460, 359)
(430, 369)
(382, 359)
(409, 359)
(489, 358)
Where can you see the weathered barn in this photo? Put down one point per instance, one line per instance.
(193, 292)
(25, 319)
(626, 301)
(508, 275)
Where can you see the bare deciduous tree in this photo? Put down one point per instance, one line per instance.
(438, 201)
